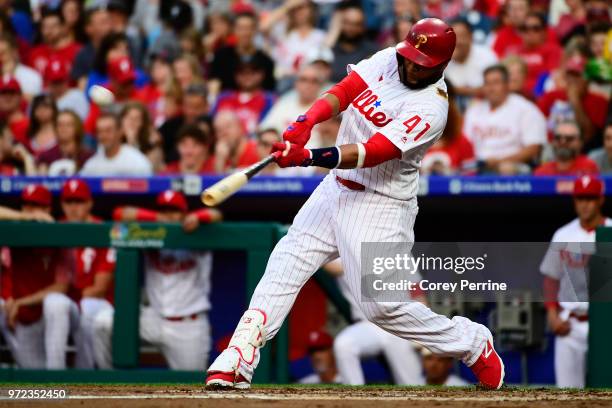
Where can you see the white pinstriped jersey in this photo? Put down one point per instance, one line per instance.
(567, 261)
(412, 119)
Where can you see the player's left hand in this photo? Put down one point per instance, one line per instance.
(292, 155)
(298, 132)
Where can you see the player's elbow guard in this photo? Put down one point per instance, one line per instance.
(378, 149)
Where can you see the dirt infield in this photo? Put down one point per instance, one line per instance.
(106, 396)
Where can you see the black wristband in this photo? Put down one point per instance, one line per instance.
(327, 157)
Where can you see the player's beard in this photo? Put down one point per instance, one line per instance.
(565, 153)
(435, 77)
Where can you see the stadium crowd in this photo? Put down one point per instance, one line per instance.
(208, 86)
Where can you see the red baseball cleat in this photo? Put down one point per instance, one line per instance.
(221, 380)
(489, 368)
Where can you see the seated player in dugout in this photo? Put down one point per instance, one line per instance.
(395, 107)
(34, 282)
(177, 287)
(92, 277)
(322, 360)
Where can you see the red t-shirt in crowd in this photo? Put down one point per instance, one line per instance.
(540, 60)
(40, 56)
(458, 155)
(29, 270)
(250, 109)
(555, 103)
(248, 156)
(7, 169)
(207, 167)
(19, 128)
(582, 165)
(508, 40)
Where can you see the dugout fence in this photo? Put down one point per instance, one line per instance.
(256, 239)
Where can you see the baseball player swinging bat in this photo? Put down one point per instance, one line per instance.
(221, 190)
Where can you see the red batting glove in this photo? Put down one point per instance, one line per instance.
(292, 155)
(298, 132)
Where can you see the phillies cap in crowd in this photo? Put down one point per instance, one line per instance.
(588, 186)
(9, 84)
(121, 70)
(319, 340)
(76, 190)
(575, 64)
(56, 71)
(172, 199)
(36, 194)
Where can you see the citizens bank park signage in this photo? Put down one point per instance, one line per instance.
(134, 235)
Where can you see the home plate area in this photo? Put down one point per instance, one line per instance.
(316, 396)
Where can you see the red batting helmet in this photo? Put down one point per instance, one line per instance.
(429, 43)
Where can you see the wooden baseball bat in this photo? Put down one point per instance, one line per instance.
(221, 190)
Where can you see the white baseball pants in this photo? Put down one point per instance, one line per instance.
(185, 344)
(365, 339)
(334, 222)
(570, 355)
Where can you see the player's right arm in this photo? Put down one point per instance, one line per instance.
(334, 101)
(136, 214)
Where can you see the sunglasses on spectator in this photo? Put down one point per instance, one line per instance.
(566, 138)
(311, 80)
(527, 28)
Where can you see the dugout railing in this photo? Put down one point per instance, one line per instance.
(256, 239)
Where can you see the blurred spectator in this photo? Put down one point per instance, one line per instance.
(218, 32)
(249, 101)
(322, 60)
(43, 116)
(570, 21)
(97, 27)
(540, 55)
(452, 153)
(292, 32)
(194, 105)
(438, 370)
(233, 149)
(73, 13)
(398, 25)
(139, 132)
(195, 147)
(603, 156)
(163, 83)
(54, 43)
(567, 147)
(119, 15)
(34, 281)
(29, 79)
(114, 157)
(114, 47)
(20, 20)
(227, 59)
(576, 102)
(443, 9)
(14, 157)
(351, 44)
(121, 82)
(11, 109)
(177, 284)
(188, 71)
(506, 130)
(57, 79)
(517, 75)
(599, 66)
(289, 106)
(322, 360)
(190, 42)
(265, 139)
(175, 16)
(69, 154)
(508, 36)
(468, 63)
(328, 131)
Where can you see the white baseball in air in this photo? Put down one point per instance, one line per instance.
(101, 96)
